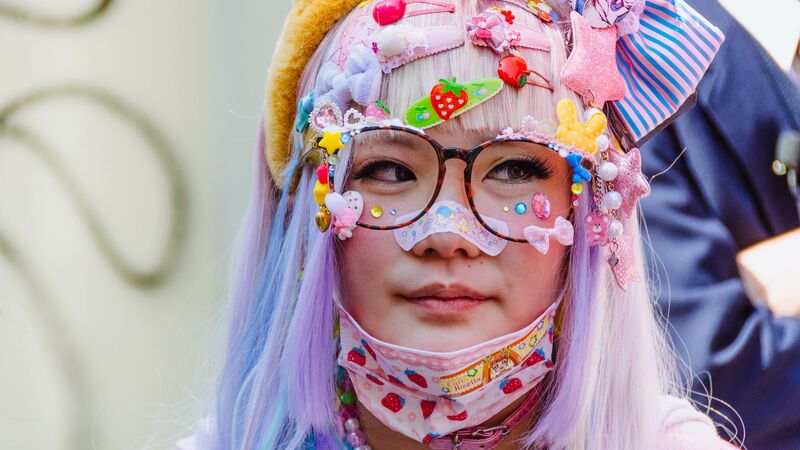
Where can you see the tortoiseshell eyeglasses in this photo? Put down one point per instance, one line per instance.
(400, 172)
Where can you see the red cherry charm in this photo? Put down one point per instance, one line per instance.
(513, 70)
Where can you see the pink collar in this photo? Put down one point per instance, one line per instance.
(487, 438)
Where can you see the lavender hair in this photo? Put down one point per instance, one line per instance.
(276, 388)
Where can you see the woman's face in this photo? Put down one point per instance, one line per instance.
(445, 293)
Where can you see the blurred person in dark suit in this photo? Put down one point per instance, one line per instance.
(720, 197)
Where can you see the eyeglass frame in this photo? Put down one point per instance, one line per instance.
(443, 154)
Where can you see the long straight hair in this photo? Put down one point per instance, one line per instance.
(276, 389)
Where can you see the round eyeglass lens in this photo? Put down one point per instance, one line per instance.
(396, 173)
(508, 185)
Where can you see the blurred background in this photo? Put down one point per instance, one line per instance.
(127, 131)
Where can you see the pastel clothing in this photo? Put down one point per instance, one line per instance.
(682, 428)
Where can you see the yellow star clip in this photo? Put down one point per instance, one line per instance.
(573, 132)
(331, 141)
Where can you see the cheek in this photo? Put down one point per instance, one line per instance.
(365, 260)
(531, 277)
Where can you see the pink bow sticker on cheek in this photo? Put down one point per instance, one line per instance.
(539, 237)
(451, 217)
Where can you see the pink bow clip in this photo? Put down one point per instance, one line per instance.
(494, 28)
(539, 237)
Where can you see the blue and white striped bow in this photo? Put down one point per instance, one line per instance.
(664, 49)
(662, 63)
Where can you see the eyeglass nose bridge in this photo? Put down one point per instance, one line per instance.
(455, 153)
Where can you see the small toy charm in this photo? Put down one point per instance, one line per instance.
(387, 12)
(629, 182)
(543, 11)
(304, 108)
(514, 70)
(377, 111)
(539, 237)
(591, 69)
(449, 99)
(597, 223)
(346, 210)
(321, 190)
(331, 141)
(607, 13)
(579, 173)
(573, 132)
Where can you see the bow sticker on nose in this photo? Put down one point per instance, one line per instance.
(451, 217)
(539, 237)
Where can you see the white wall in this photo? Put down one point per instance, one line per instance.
(89, 359)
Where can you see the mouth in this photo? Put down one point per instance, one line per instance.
(446, 299)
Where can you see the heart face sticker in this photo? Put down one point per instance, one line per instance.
(354, 201)
(324, 116)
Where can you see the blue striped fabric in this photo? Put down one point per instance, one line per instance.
(662, 63)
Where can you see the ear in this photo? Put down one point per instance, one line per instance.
(596, 125)
(567, 113)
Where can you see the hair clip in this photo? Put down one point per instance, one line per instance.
(591, 69)
(449, 99)
(304, 108)
(543, 11)
(397, 45)
(359, 81)
(495, 28)
(514, 70)
(576, 133)
(387, 12)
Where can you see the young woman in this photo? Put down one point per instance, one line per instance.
(442, 248)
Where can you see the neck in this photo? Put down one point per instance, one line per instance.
(381, 437)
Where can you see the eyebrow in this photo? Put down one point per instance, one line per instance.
(390, 137)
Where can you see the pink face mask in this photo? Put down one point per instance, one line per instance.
(425, 395)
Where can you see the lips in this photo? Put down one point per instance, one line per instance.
(446, 292)
(446, 299)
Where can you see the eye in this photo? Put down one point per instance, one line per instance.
(519, 171)
(384, 172)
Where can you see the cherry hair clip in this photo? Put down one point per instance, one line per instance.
(387, 12)
(514, 71)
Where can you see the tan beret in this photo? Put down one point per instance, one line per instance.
(305, 27)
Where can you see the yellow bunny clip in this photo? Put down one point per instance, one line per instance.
(572, 132)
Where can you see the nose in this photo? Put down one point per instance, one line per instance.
(447, 244)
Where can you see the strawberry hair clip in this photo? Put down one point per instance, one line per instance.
(387, 12)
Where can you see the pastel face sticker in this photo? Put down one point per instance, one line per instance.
(451, 217)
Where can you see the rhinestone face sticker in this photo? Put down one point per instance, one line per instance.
(541, 205)
(451, 217)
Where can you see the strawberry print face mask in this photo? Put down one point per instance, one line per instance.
(425, 395)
